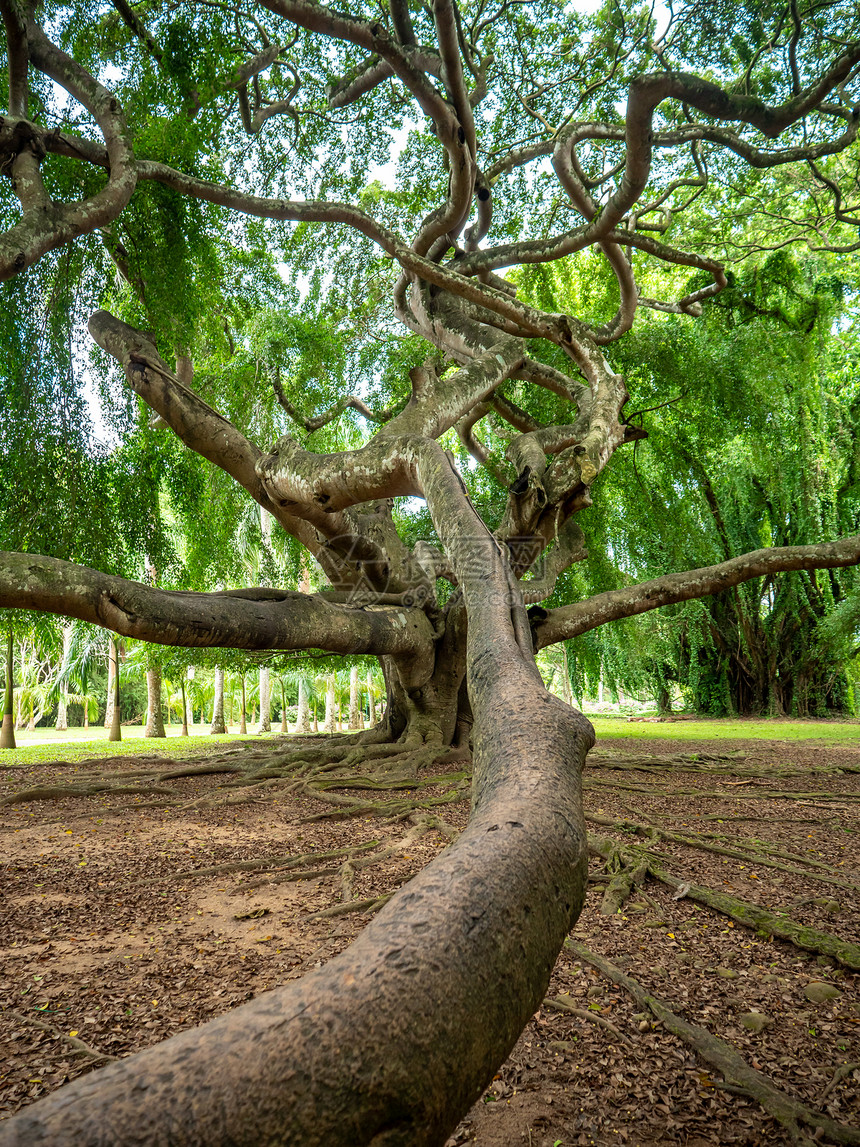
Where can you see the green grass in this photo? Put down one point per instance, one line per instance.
(46, 745)
(727, 729)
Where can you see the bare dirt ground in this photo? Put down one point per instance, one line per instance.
(154, 905)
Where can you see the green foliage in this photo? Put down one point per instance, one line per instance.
(758, 448)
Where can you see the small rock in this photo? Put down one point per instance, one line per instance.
(768, 978)
(827, 903)
(659, 970)
(755, 1021)
(726, 973)
(594, 992)
(824, 961)
(820, 993)
(644, 1026)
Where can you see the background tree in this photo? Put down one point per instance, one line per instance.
(515, 155)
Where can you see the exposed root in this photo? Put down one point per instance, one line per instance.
(755, 854)
(766, 922)
(371, 905)
(78, 1044)
(621, 887)
(841, 1072)
(739, 1076)
(736, 794)
(61, 792)
(562, 1004)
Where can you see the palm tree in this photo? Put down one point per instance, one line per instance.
(7, 732)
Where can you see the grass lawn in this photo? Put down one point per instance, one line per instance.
(728, 728)
(82, 744)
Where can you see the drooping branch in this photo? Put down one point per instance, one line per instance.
(264, 619)
(318, 421)
(212, 436)
(573, 620)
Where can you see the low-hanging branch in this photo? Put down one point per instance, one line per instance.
(572, 620)
(205, 620)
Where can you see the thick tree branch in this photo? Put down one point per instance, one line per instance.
(573, 620)
(268, 620)
(48, 225)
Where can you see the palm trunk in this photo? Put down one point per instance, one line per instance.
(355, 718)
(184, 732)
(62, 723)
(115, 733)
(303, 714)
(111, 683)
(7, 731)
(284, 724)
(218, 725)
(154, 715)
(371, 704)
(243, 728)
(330, 705)
(265, 702)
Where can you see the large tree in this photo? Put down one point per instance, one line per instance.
(528, 135)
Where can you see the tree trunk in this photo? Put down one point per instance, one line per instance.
(265, 725)
(184, 730)
(115, 733)
(7, 731)
(513, 882)
(154, 713)
(243, 727)
(330, 705)
(303, 713)
(664, 701)
(218, 725)
(284, 723)
(355, 720)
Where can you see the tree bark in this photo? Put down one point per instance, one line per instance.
(243, 727)
(258, 618)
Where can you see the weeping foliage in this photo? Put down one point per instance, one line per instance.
(757, 446)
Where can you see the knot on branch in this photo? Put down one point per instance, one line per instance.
(16, 136)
